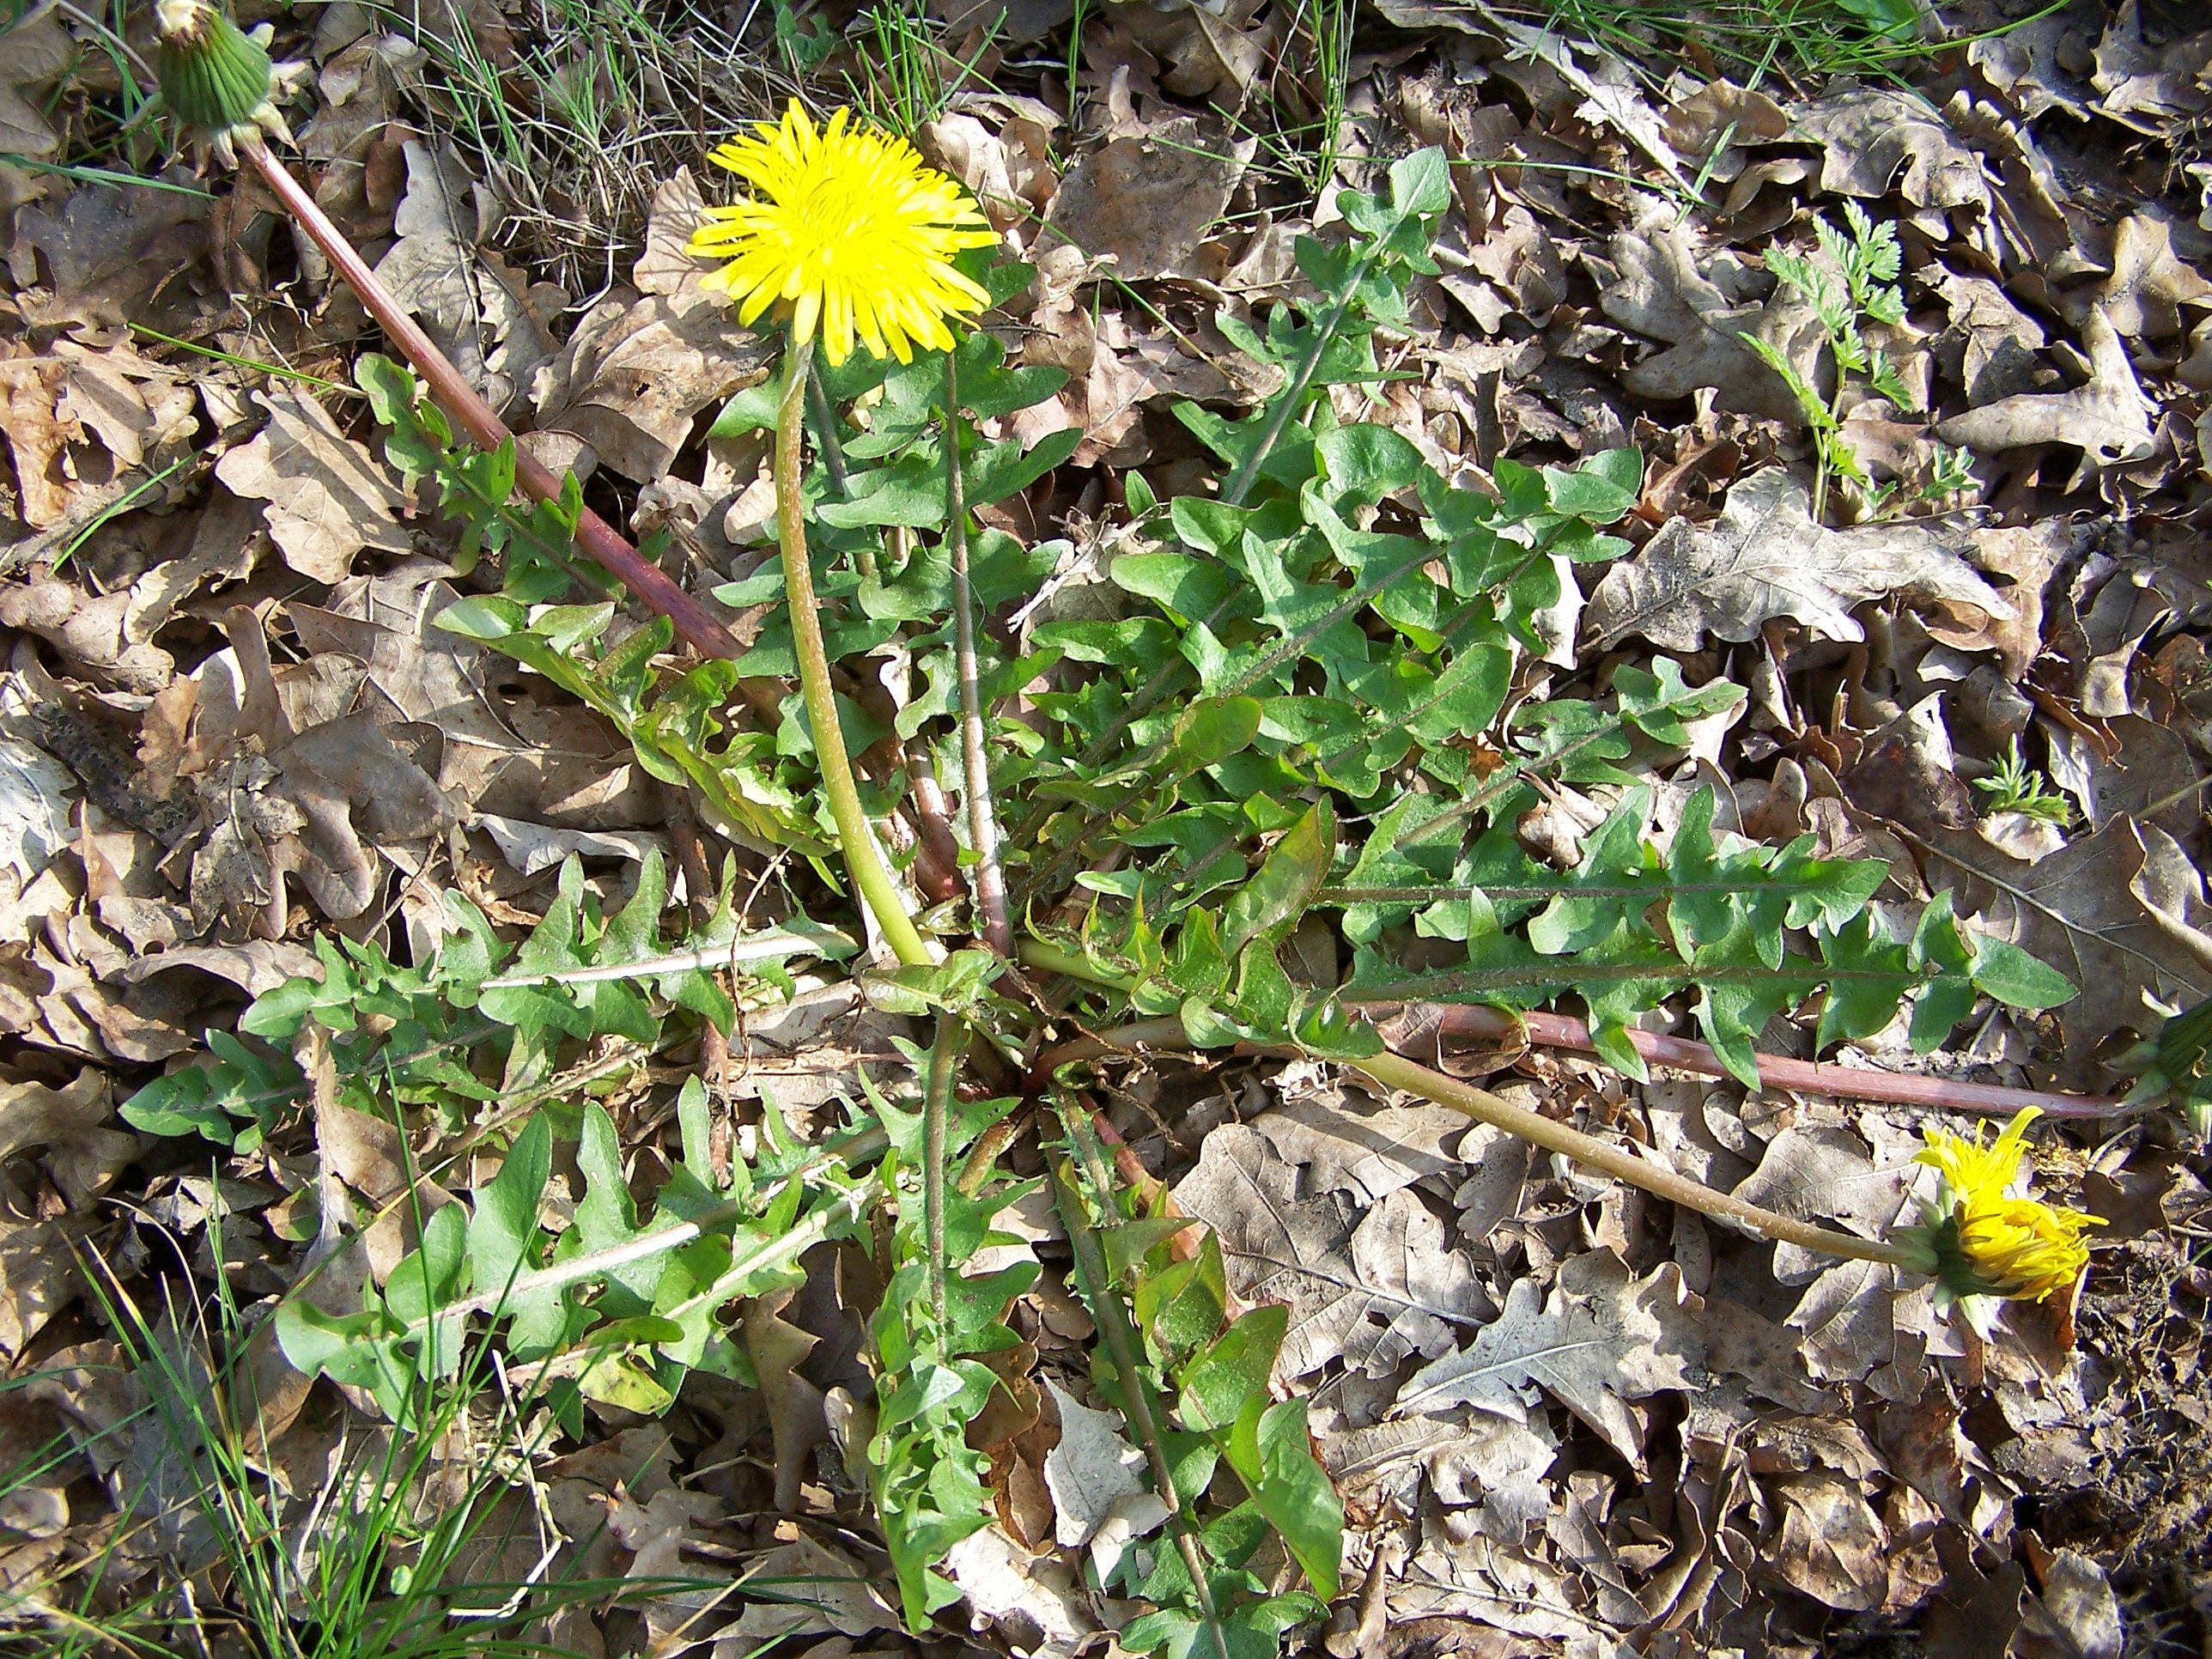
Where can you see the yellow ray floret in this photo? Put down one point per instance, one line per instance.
(849, 229)
(1983, 1239)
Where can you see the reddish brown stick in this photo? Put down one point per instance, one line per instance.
(1558, 1031)
(696, 624)
(1775, 1072)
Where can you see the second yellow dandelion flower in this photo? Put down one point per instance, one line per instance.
(1980, 1238)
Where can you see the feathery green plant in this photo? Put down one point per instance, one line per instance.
(1852, 282)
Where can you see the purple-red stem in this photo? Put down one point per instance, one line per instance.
(1558, 1032)
(697, 625)
(1775, 1071)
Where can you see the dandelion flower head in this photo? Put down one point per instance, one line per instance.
(1980, 1238)
(849, 228)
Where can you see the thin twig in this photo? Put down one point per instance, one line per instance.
(982, 821)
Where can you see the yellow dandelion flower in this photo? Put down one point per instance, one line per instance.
(1979, 1237)
(851, 230)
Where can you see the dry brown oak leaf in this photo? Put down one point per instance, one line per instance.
(1655, 282)
(2121, 913)
(1372, 1284)
(1600, 1339)
(1764, 559)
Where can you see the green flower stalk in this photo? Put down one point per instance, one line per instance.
(852, 239)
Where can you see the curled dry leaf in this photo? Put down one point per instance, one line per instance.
(2151, 85)
(1002, 1581)
(1009, 173)
(1610, 89)
(1714, 130)
(805, 1588)
(2075, 1616)
(69, 1127)
(82, 425)
(36, 51)
(1095, 1473)
(34, 809)
(1822, 1172)
(2025, 63)
(38, 1278)
(1832, 1545)
(1993, 347)
(293, 779)
(1765, 558)
(1349, 1144)
(2108, 419)
(423, 675)
(2149, 284)
(1875, 138)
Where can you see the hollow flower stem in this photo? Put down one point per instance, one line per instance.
(974, 744)
(1395, 1071)
(856, 840)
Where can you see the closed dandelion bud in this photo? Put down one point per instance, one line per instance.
(216, 79)
(2174, 1064)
